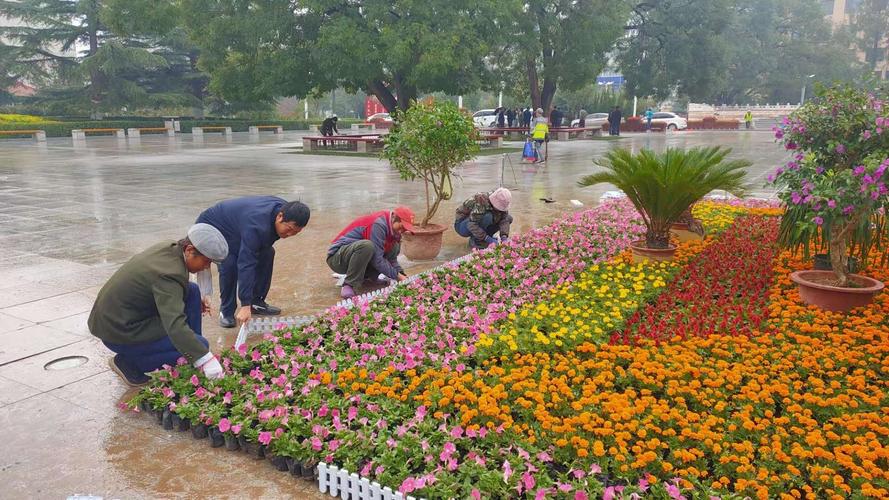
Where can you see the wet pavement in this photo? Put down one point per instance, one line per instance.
(71, 213)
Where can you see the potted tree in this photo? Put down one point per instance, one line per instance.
(835, 190)
(663, 186)
(428, 142)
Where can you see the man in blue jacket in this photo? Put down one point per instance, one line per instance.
(250, 225)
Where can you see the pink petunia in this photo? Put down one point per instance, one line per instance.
(224, 425)
(265, 437)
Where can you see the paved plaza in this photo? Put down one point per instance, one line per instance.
(70, 214)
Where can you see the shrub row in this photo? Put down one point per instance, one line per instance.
(63, 129)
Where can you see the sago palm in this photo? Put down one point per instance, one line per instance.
(663, 185)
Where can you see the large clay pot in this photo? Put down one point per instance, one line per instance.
(834, 298)
(642, 253)
(424, 243)
(680, 229)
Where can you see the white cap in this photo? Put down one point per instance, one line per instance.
(209, 241)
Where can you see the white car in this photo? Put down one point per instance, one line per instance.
(671, 121)
(381, 120)
(592, 120)
(485, 118)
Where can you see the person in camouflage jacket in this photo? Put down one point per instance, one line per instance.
(482, 216)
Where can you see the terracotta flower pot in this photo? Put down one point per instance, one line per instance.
(834, 298)
(680, 230)
(642, 253)
(424, 243)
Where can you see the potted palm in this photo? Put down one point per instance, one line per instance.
(664, 186)
(835, 191)
(428, 142)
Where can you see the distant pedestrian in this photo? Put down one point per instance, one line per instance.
(581, 120)
(526, 117)
(510, 117)
(748, 120)
(501, 117)
(555, 117)
(649, 114)
(328, 126)
(614, 118)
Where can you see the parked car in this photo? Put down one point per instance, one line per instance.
(592, 120)
(485, 118)
(381, 120)
(671, 121)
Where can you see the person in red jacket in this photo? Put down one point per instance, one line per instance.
(368, 247)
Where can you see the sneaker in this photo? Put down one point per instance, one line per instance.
(226, 321)
(127, 372)
(347, 292)
(261, 308)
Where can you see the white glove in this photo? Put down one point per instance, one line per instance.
(210, 365)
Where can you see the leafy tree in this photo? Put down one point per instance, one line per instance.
(107, 75)
(871, 23)
(396, 51)
(556, 44)
(154, 25)
(729, 51)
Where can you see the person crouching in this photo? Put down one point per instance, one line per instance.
(484, 215)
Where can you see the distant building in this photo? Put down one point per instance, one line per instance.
(841, 13)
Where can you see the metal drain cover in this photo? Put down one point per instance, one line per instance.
(66, 363)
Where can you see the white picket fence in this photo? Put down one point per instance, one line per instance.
(350, 486)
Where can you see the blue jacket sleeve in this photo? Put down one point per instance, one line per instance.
(378, 237)
(248, 256)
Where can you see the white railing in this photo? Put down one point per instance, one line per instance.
(350, 486)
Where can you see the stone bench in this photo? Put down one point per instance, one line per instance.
(137, 132)
(491, 140)
(367, 126)
(255, 129)
(199, 131)
(360, 143)
(565, 133)
(38, 135)
(80, 134)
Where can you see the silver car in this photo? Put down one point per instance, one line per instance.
(671, 121)
(592, 120)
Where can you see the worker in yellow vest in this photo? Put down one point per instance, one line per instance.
(539, 133)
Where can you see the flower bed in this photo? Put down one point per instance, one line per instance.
(395, 390)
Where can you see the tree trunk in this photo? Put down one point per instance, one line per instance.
(533, 84)
(546, 96)
(197, 86)
(839, 237)
(385, 96)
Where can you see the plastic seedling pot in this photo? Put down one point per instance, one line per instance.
(309, 470)
(232, 443)
(167, 421)
(199, 431)
(295, 467)
(279, 463)
(217, 438)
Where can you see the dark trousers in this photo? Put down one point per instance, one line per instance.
(461, 227)
(150, 356)
(355, 261)
(228, 280)
(614, 128)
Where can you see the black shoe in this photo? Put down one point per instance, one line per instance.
(129, 373)
(261, 308)
(226, 321)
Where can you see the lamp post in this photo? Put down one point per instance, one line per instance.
(802, 92)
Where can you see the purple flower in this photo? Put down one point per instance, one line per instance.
(831, 204)
(790, 145)
(859, 170)
(796, 198)
(817, 220)
(840, 149)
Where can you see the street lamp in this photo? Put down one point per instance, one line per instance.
(802, 93)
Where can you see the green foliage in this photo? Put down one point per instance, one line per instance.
(428, 142)
(662, 186)
(871, 22)
(835, 187)
(63, 129)
(733, 52)
(554, 44)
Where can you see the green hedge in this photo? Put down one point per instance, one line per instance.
(64, 129)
